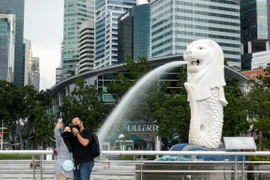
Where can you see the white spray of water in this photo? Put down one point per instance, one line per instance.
(121, 107)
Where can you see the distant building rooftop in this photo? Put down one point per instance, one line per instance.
(253, 74)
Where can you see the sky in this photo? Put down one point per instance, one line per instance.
(43, 26)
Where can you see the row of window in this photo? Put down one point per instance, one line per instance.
(195, 20)
(208, 6)
(207, 13)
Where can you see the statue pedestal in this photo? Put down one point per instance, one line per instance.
(195, 147)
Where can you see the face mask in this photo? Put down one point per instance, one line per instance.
(77, 126)
(67, 134)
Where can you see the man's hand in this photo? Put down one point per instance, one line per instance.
(75, 131)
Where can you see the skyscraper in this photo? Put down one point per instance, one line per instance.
(106, 36)
(16, 7)
(7, 46)
(36, 73)
(58, 75)
(87, 42)
(28, 62)
(254, 29)
(75, 12)
(134, 33)
(176, 23)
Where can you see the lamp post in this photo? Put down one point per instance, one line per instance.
(120, 137)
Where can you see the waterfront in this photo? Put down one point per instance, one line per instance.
(142, 169)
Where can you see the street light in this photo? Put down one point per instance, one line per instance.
(120, 137)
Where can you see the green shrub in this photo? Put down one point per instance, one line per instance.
(150, 157)
(17, 156)
(127, 157)
(258, 158)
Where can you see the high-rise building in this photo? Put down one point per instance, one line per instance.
(87, 41)
(106, 30)
(59, 75)
(28, 62)
(36, 73)
(7, 46)
(61, 58)
(75, 12)
(176, 23)
(254, 29)
(16, 7)
(134, 33)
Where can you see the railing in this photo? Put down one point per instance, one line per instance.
(140, 161)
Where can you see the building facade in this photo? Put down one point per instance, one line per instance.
(176, 23)
(260, 60)
(16, 7)
(7, 46)
(106, 30)
(254, 29)
(36, 73)
(28, 62)
(134, 33)
(75, 13)
(86, 47)
(58, 75)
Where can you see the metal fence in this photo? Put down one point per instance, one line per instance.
(154, 169)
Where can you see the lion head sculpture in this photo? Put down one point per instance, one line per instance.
(205, 68)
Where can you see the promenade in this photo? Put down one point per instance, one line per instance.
(142, 169)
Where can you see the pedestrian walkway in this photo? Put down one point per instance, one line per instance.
(23, 170)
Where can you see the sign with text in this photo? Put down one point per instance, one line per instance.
(144, 127)
(239, 143)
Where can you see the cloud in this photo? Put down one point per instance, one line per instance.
(49, 60)
(43, 26)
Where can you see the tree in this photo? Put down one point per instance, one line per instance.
(258, 109)
(174, 116)
(147, 104)
(18, 107)
(235, 113)
(133, 71)
(5, 112)
(43, 119)
(263, 125)
(85, 101)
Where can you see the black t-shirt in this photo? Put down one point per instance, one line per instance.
(82, 154)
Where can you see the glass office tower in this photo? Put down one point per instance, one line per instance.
(75, 13)
(176, 23)
(254, 29)
(134, 32)
(16, 7)
(106, 40)
(7, 46)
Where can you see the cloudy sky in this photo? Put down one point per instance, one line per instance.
(43, 26)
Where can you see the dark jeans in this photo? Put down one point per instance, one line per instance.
(84, 172)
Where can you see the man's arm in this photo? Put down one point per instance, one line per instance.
(82, 140)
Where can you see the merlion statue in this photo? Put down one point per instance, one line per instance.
(204, 85)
